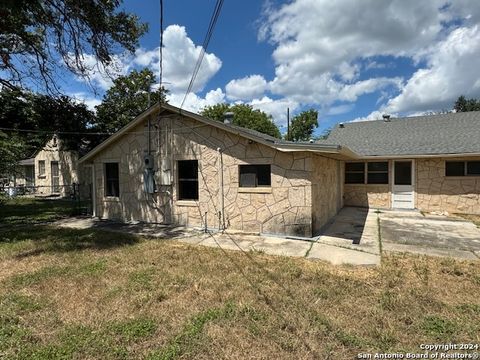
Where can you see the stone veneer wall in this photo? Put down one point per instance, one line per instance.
(326, 191)
(437, 192)
(366, 195)
(67, 167)
(283, 208)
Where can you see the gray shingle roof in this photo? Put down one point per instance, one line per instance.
(454, 133)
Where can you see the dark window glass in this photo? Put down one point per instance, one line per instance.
(356, 166)
(455, 168)
(354, 178)
(378, 166)
(254, 175)
(377, 178)
(355, 173)
(403, 173)
(473, 167)
(188, 180)
(112, 183)
(41, 168)
(377, 172)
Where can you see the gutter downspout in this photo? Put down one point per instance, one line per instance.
(94, 192)
(222, 195)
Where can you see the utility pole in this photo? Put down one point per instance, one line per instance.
(288, 124)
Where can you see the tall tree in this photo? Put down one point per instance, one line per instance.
(245, 116)
(38, 35)
(12, 149)
(303, 125)
(127, 98)
(463, 105)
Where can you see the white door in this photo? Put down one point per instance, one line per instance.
(402, 185)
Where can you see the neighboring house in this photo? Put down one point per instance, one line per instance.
(212, 174)
(52, 171)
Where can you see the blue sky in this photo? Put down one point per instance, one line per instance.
(349, 60)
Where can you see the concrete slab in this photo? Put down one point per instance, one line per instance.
(437, 233)
(353, 228)
(338, 256)
(430, 251)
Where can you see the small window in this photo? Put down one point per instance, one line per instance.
(455, 168)
(41, 168)
(473, 167)
(355, 173)
(255, 175)
(112, 183)
(188, 180)
(377, 172)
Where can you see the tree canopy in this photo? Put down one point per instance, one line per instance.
(38, 35)
(463, 105)
(35, 117)
(303, 125)
(128, 97)
(244, 116)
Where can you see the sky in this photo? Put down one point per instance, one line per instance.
(350, 60)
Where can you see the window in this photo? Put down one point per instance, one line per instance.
(377, 172)
(462, 168)
(355, 173)
(188, 180)
(112, 183)
(41, 168)
(254, 175)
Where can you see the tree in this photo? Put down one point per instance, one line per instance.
(12, 149)
(38, 35)
(302, 126)
(245, 116)
(464, 105)
(35, 117)
(128, 97)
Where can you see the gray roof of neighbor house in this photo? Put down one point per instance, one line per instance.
(27, 162)
(453, 133)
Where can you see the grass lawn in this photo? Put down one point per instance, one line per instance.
(91, 294)
(21, 210)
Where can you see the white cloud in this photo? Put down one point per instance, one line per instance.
(87, 99)
(340, 109)
(246, 88)
(195, 103)
(319, 44)
(277, 108)
(180, 55)
(452, 70)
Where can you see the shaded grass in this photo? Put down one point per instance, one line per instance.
(20, 210)
(93, 294)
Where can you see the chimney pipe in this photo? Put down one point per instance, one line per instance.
(386, 117)
(228, 117)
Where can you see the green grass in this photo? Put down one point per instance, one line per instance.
(21, 210)
(74, 294)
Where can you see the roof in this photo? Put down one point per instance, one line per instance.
(446, 134)
(329, 149)
(27, 162)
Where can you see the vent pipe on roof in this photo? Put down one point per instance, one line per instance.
(341, 125)
(228, 117)
(386, 117)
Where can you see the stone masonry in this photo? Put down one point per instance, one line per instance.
(301, 199)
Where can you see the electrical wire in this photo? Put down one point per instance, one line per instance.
(208, 35)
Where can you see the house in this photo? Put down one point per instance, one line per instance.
(429, 163)
(52, 170)
(173, 166)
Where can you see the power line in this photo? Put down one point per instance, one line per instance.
(160, 60)
(208, 35)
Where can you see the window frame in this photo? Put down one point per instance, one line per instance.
(42, 163)
(365, 171)
(465, 168)
(108, 179)
(187, 180)
(256, 167)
